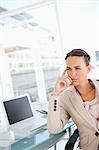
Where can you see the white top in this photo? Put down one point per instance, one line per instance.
(93, 108)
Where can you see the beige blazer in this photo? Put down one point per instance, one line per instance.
(69, 104)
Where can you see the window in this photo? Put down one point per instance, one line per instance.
(33, 49)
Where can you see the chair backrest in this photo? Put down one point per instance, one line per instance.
(72, 140)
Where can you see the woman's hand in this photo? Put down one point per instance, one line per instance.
(62, 83)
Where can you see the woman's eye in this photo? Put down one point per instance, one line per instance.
(67, 69)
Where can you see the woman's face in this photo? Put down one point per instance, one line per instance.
(77, 69)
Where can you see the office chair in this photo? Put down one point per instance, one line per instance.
(72, 140)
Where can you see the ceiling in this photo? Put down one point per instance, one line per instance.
(15, 4)
(21, 13)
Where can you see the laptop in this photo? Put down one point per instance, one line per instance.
(20, 115)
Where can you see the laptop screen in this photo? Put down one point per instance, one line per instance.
(18, 109)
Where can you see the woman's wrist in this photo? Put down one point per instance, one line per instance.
(55, 93)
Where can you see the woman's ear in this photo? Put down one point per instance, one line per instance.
(90, 67)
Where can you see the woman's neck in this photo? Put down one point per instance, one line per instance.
(86, 91)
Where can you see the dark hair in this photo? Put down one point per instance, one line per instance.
(79, 53)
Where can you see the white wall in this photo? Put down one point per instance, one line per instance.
(6, 88)
(79, 20)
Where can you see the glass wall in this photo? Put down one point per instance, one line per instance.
(31, 43)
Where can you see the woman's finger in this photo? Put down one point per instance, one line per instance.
(64, 73)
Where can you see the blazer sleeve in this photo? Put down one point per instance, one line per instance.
(57, 114)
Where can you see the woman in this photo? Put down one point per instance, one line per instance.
(77, 99)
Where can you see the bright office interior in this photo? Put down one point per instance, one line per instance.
(36, 35)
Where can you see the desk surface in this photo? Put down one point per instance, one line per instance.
(39, 139)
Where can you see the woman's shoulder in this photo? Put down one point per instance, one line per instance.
(68, 91)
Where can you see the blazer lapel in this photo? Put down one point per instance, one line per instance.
(76, 101)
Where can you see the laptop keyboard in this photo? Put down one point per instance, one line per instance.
(36, 124)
